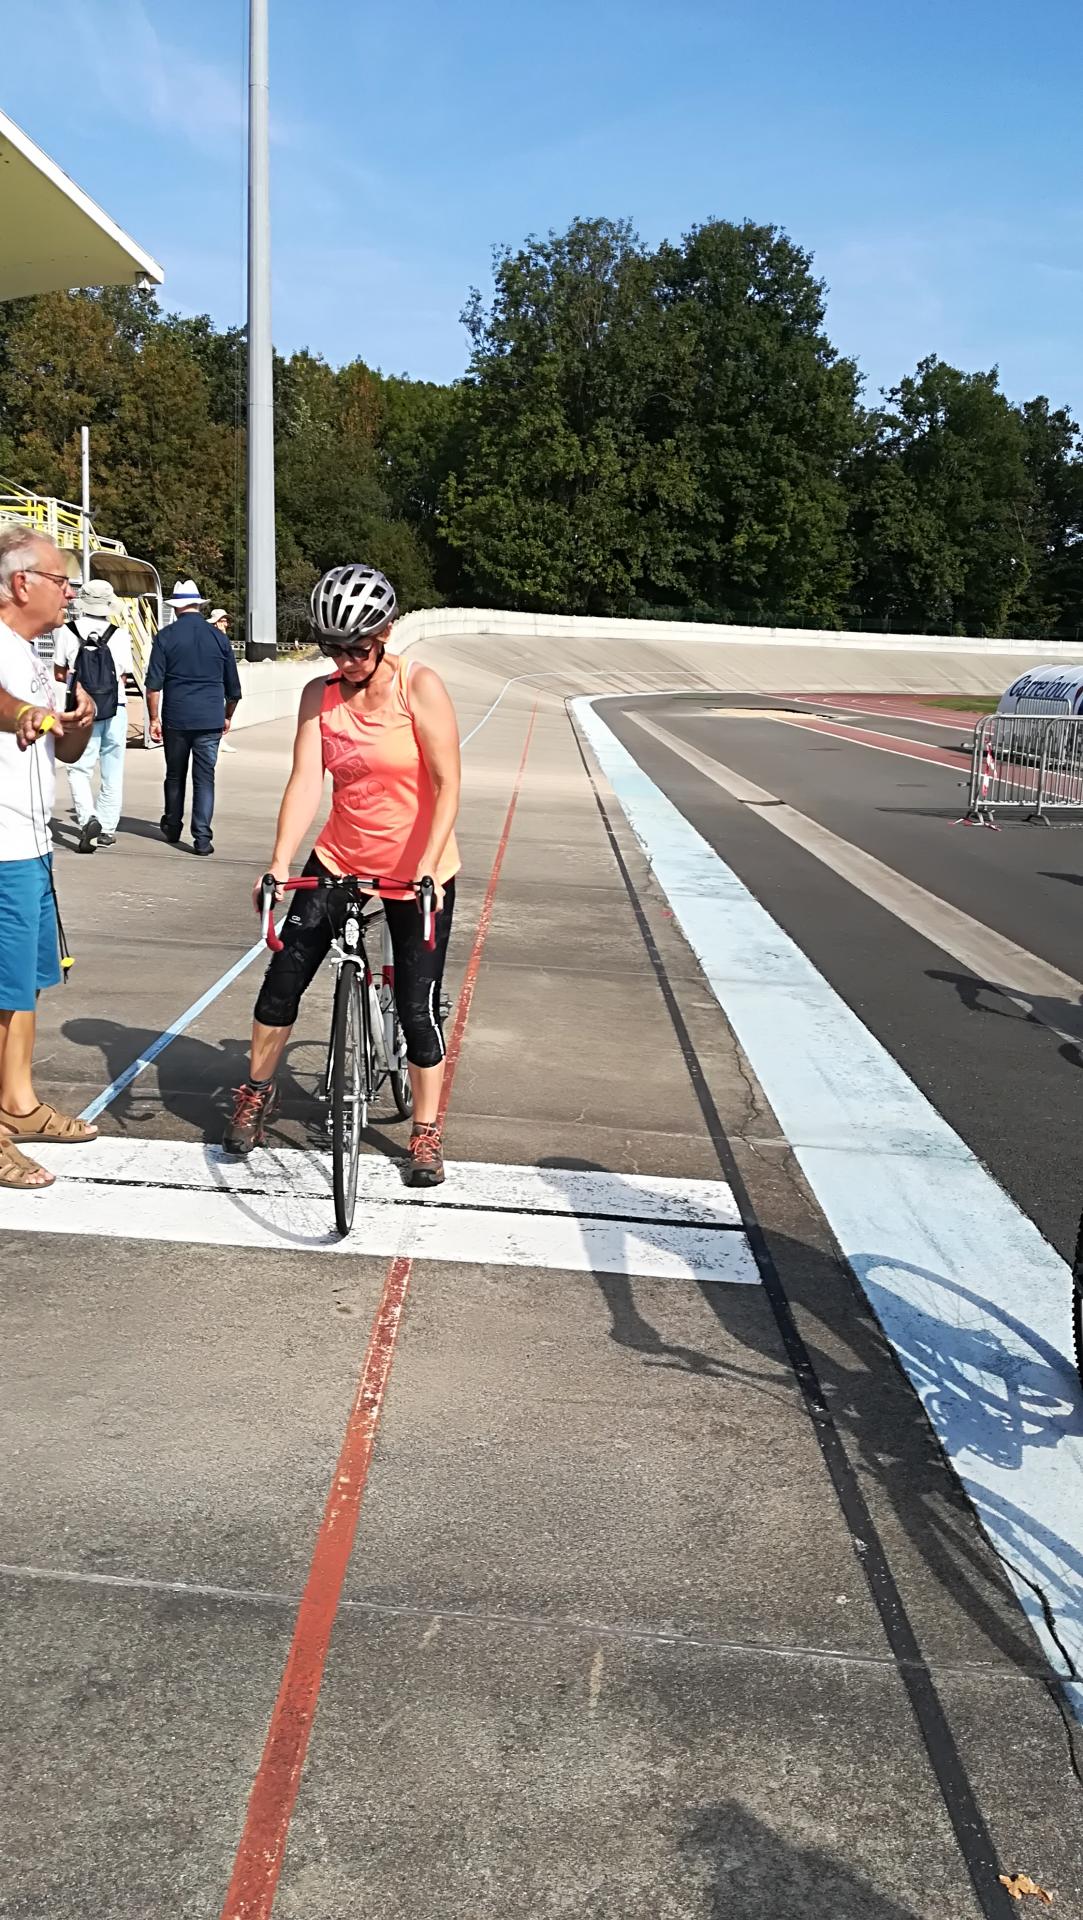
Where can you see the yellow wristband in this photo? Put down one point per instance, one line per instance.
(27, 708)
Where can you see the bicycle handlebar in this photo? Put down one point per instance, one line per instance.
(270, 889)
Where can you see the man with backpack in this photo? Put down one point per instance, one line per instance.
(96, 652)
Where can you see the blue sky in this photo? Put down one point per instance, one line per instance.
(927, 154)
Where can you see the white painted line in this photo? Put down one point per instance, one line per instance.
(290, 1172)
(974, 1300)
(1041, 990)
(556, 674)
(667, 1229)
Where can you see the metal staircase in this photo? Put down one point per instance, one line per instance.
(135, 583)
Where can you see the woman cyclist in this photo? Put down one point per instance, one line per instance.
(385, 729)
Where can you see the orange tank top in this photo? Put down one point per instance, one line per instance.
(382, 799)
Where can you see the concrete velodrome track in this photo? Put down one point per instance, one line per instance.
(682, 1514)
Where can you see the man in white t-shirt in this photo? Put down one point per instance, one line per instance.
(94, 620)
(35, 593)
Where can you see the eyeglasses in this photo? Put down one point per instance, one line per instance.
(60, 579)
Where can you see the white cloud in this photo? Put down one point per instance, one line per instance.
(150, 79)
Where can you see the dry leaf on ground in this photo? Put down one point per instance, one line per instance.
(1019, 1884)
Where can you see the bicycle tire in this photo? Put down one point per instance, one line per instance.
(395, 1069)
(1077, 1303)
(400, 1077)
(349, 1071)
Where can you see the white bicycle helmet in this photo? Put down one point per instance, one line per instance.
(352, 604)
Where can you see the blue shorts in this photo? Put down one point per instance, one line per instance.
(29, 951)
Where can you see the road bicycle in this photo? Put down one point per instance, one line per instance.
(366, 1049)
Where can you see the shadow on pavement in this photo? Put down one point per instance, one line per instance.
(1055, 1015)
(142, 829)
(1001, 1409)
(190, 1078)
(193, 1080)
(757, 1872)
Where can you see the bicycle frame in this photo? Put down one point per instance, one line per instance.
(378, 1011)
(377, 1007)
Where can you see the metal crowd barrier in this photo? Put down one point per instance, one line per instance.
(1027, 764)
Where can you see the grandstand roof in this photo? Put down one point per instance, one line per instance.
(52, 234)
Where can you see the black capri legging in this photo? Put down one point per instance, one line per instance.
(419, 970)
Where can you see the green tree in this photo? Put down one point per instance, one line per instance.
(650, 430)
(1053, 601)
(331, 504)
(421, 441)
(945, 506)
(541, 508)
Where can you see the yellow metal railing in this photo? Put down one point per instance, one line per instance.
(62, 522)
(59, 520)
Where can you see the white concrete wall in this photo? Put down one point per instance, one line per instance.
(477, 648)
(270, 689)
(434, 622)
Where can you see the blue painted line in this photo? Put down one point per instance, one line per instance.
(975, 1301)
(102, 1100)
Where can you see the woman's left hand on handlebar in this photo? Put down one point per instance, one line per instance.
(437, 889)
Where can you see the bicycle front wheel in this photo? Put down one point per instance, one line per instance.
(348, 1094)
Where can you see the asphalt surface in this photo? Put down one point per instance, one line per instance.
(605, 1644)
(1007, 1084)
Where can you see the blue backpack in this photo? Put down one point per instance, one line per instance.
(96, 673)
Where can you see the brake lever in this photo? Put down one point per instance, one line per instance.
(426, 895)
(268, 893)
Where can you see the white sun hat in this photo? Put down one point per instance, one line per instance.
(186, 594)
(96, 597)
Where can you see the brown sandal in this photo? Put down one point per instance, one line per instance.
(45, 1123)
(19, 1172)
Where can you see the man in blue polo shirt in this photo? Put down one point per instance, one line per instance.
(192, 670)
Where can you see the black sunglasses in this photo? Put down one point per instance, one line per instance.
(346, 649)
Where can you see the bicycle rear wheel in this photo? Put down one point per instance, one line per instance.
(1077, 1303)
(349, 1102)
(399, 1075)
(390, 1048)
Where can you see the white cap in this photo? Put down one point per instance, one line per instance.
(216, 614)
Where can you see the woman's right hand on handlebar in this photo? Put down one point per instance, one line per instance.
(280, 872)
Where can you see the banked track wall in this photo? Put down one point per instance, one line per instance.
(481, 648)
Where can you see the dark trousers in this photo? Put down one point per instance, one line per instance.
(181, 745)
(419, 970)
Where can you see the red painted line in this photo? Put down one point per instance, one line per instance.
(262, 1848)
(892, 706)
(470, 978)
(263, 1842)
(883, 742)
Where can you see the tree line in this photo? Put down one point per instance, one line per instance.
(662, 432)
